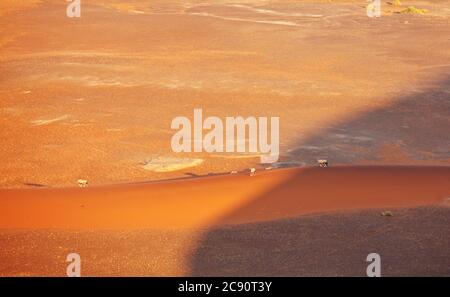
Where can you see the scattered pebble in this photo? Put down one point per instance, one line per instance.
(252, 171)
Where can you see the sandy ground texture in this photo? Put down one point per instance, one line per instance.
(227, 199)
(310, 221)
(93, 98)
(412, 242)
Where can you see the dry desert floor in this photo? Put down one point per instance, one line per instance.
(93, 98)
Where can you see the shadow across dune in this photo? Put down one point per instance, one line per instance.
(414, 130)
(412, 242)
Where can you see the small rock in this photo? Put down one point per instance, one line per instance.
(252, 171)
(323, 163)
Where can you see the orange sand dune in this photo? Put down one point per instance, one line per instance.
(229, 199)
(94, 97)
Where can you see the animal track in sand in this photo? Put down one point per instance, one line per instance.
(284, 23)
(49, 121)
(273, 12)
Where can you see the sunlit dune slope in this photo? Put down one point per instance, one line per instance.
(224, 199)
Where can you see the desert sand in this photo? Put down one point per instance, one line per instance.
(232, 224)
(203, 202)
(93, 98)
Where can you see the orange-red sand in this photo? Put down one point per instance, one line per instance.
(93, 98)
(207, 201)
